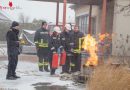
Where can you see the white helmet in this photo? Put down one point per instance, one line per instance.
(57, 29)
(68, 27)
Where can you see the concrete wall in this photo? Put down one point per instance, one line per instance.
(121, 28)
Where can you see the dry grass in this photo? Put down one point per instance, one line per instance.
(108, 77)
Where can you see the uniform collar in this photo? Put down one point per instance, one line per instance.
(15, 31)
(44, 29)
(76, 32)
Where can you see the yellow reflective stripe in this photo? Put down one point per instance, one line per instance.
(40, 64)
(36, 42)
(43, 45)
(80, 43)
(72, 65)
(79, 49)
(46, 63)
(22, 41)
(41, 40)
(43, 64)
(76, 51)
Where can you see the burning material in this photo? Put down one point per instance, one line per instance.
(104, 38)
(90, 45)
(97, 49)
(104, 46)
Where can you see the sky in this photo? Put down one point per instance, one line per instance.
(36, 9)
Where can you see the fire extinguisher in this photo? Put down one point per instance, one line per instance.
(63, 58)
(55, 60)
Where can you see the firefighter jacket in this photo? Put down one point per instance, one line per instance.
(41, 40)
(77, 41)
(66, 41)
(55, 42)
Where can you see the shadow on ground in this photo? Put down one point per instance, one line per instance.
(49, 86)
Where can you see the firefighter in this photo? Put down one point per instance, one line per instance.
(13, 50)
(77, 41)
(66, 43)
(41, 40)
(54, 46)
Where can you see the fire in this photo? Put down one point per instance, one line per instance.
(102, 37)
(90, 45)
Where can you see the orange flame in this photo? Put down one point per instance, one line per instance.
(90, 45)
(102, 37)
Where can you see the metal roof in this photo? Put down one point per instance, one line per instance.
(4, 16)
(94, 2)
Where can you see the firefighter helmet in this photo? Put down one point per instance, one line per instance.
(57, 29)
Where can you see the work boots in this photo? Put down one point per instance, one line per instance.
(41, 68)
(46, 68)
(11, 78)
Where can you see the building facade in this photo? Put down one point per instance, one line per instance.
(121, 28)
(117, 23)
(82, 17)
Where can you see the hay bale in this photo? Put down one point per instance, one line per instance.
(109, 77)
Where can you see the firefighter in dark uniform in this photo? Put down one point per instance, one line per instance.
(54, 44)
(66, 43)
(41, 40)
(77, 40)
(13, 50)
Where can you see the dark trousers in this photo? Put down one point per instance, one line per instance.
(13, 61)
(43, 63)
(76, 62)
(42, 54)
(50, 60)
(66, 67)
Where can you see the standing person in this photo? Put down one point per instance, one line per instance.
(66, 43)
(54, 46)
(13, 50)
(76, 61)
(41, 40)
